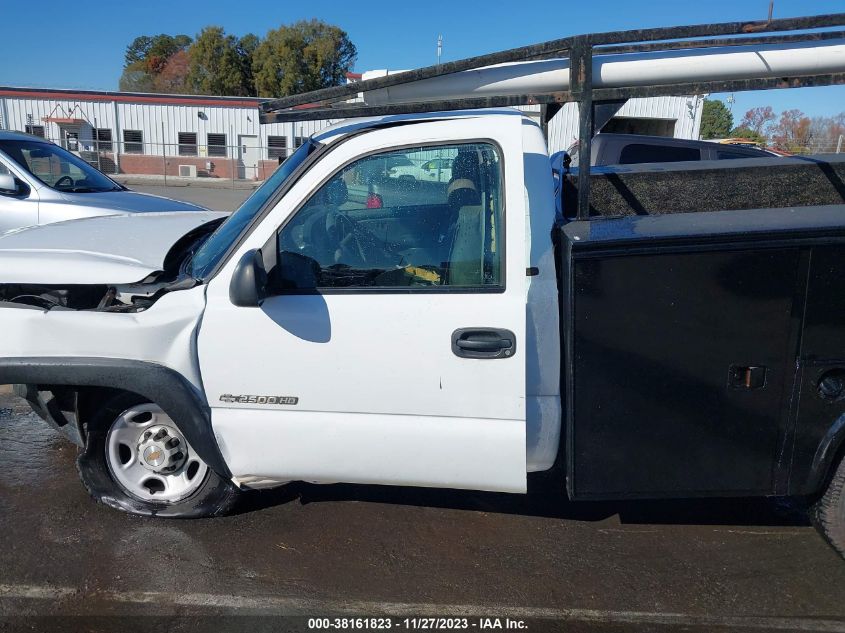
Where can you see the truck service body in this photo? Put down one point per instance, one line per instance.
(459, 334)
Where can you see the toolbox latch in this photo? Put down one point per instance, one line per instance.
(747, 377)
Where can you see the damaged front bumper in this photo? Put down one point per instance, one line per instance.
(58, 409)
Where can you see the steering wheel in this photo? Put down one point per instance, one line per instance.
(343, 231)
(58, 184)
(354, 243)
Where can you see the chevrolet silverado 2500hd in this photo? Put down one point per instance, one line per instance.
(461, 334)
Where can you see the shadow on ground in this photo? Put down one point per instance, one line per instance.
(542, 503)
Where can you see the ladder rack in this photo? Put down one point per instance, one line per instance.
(597, 103)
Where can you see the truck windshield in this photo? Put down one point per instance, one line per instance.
(215, 247)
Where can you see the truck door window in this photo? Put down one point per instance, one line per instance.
(421, 217)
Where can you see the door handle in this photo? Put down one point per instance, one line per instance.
(483, 343)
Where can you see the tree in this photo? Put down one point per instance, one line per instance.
(716, 120)
(135, 78)
(137, 51)
(307, 55)
(792, 131)
(751, 135)
(154, 50)
(172, 78)
(825, 133)
(758, 119)
(303, 56)
(147, 57)
(215, 66)
(246, 54)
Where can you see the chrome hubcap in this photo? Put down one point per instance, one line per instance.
(149, 458)
(162, 449)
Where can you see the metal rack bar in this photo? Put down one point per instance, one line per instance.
(580, 49)
(648, 47)
(348, 110)
(558, 46)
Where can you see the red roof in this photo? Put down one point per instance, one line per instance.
(129, 97)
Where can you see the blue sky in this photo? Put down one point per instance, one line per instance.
(80, 45)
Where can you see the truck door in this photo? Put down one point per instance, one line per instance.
(390, 347)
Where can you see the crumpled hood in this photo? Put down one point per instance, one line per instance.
(113, 249)
(129, 201)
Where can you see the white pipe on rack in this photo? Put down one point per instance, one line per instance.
(637, 69)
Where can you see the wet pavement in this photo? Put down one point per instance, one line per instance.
(214, 198)
(372, 551)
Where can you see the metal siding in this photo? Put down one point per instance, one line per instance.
(563, 128)
(234, 121)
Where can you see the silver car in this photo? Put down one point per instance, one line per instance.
(42, 183)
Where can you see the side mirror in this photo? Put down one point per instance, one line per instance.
(249, 281)
(8, 184)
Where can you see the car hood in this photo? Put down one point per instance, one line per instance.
(131, 201)
(112, 249)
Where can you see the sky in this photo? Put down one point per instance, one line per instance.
(54, 44)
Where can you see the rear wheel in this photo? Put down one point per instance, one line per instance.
(829, 512)
(137, 459)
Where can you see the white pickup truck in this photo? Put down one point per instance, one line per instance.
(462, 335)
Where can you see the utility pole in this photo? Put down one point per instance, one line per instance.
(439, 48)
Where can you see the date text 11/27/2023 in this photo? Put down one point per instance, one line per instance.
(421, 623)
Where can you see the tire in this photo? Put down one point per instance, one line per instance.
(828, 514)
(115, 473)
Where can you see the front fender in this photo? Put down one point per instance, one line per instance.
(166, 387)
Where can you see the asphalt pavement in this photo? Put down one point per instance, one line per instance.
(340, 551)
(214, 198)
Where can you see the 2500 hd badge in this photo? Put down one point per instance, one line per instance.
(286, 400)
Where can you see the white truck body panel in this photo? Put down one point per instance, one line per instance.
(542, 336)
(407, 411)
(404, 398)
(113, 249)
(165, 335)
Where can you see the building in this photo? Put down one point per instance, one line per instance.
(129, 133)
(220, 137)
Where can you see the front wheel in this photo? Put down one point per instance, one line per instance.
(829, 512)
(137, 460)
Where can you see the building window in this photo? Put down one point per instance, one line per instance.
(299, 140)
(217, 145)
(187, 143)
(277, 147)
(102, 139)
(133, 141)
(35, 130)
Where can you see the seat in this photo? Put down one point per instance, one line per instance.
(466, 255)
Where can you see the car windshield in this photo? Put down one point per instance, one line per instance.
(56, 167)
(213, 249)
